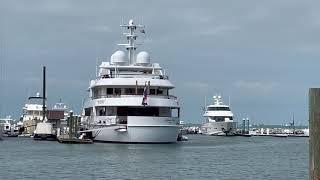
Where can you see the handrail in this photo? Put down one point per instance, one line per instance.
(135, 95)
(153, 76)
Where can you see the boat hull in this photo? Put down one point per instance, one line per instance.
(219, 128)
(137, 134)
(45, 137)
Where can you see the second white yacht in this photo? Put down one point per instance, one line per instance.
(219, 119)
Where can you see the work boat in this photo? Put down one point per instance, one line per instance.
(130, 100)
(219, 119)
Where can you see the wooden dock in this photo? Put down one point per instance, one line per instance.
(67, 140)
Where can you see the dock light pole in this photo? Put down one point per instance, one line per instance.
(314, 125)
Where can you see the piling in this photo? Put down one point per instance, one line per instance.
(314, 125)
(72, 137)
(243, 126)
(248, 126)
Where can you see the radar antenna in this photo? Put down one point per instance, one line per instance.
(131, 37)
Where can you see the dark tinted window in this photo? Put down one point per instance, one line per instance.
(141, 111)
(218, 109)
(109, 90)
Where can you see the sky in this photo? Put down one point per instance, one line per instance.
(264, 55)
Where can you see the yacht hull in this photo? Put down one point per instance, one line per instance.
(137, 134)
(219, 128)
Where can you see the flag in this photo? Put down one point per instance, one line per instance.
(145, 96)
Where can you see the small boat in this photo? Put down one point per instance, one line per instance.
(44, 131)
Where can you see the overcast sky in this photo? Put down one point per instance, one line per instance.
(263, 54)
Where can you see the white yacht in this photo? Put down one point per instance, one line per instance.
(7, 124)
(32, 114)
(130, 100)
(219, 119)
(10, 127)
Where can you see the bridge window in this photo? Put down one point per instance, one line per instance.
(101, 110)
(87, 111)
(109, 91)
(218, 109)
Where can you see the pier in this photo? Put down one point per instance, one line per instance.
(72, 136)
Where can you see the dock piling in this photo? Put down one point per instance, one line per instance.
(314, 125)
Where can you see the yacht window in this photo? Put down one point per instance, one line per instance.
(159, 91)
(221, 118)
(140, 91)
(148, 111)
(87, 111)
(175, 112)
(152, 91)
(117, 91)
(111, 111)
(95, 93)
(109, 91)
(129, 91)
(165, 112)
(218, 109)
(101, 111)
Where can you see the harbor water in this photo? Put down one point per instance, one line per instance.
(202, 157)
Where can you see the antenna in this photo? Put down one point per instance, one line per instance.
(205, 101)
(131, 37)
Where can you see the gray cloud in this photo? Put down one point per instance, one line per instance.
(229, 47)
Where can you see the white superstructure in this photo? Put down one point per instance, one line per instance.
(32, 114)
(219, 119)
(7, 124)
(130, 99)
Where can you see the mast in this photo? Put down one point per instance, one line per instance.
(44, 94)
(131, 37)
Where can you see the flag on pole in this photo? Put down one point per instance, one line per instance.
(145, 96)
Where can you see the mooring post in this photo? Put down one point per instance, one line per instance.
(314, 141)
(243, 126)
(71, 125)
(248, 125)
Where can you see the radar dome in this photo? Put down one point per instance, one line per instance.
(118, 58)
(143, 58)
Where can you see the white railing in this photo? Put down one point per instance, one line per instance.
(134, 95)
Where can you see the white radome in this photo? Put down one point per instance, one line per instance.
(143, 58)
(118, 58)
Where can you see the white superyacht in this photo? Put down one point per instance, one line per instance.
(219, 119)
(130, 100)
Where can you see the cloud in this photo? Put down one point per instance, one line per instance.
(194, 86)
(256, 86)
(220, 29)
(311, 49)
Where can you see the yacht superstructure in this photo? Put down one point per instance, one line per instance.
(7, 124)
(32, 114)
(219, 119)
(130, 100)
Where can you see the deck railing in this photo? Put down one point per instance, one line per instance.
(134, 95)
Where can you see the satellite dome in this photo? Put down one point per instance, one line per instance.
(118, 58)
(143, 58)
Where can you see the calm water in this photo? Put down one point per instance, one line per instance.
(202, 157)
